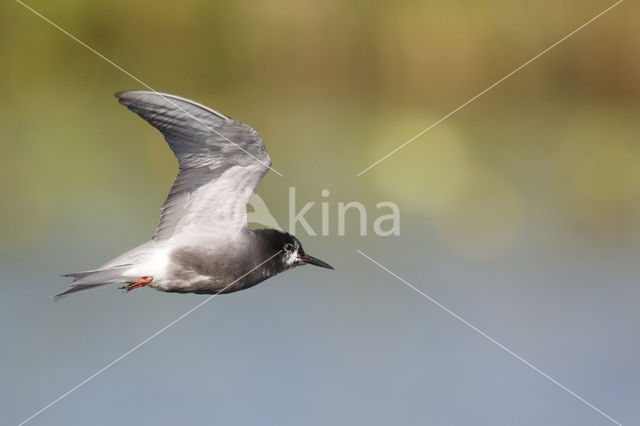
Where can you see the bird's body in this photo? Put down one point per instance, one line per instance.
(202, 243)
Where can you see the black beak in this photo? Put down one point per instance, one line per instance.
(313, 261)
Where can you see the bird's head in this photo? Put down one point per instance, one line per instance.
(291, 253)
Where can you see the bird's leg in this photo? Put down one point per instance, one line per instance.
(135, 284)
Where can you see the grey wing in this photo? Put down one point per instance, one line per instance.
(221, 161)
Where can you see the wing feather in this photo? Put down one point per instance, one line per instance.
(221, 161)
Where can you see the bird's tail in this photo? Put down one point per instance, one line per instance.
(96, 278)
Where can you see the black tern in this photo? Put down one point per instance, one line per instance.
(202, 243)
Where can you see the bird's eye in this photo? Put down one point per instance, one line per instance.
(288, 247)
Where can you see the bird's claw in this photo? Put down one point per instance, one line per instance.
(131, 285)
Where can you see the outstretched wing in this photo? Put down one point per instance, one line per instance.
(221, 161)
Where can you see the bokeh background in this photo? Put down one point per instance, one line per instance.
(520, 213)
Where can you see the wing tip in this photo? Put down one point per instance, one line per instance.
(131, 95)
(128, 96)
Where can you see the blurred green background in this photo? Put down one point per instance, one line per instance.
(520, 212)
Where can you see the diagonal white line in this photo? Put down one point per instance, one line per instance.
(144, 84)
(500, 345)
(489, 88)
(136, 347)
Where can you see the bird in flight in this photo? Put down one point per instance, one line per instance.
(202, 243)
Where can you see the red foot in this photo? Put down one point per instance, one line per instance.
(135, 284)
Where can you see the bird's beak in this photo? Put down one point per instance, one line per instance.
(313, 261)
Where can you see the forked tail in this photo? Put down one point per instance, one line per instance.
(91, 279)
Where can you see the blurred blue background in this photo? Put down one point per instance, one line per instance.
(519, 213)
